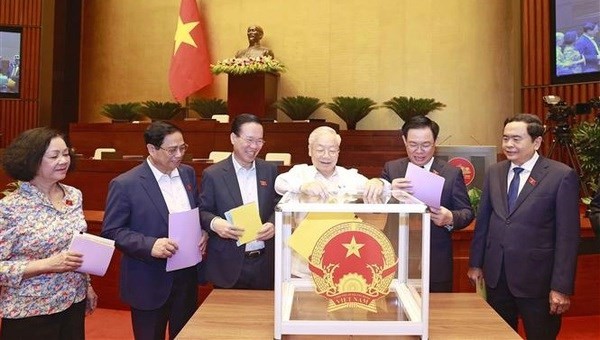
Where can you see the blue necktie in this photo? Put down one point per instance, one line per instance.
(513, 189)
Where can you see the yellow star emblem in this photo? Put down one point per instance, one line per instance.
(182, 35)
(353, 247)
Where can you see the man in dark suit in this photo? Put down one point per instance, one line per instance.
(240, 179)
(527, 233)
(588, 47)
(419, 135)
(136, 217)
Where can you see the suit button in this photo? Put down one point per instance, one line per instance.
(508, 222)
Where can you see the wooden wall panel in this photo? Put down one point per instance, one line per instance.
(17, 115)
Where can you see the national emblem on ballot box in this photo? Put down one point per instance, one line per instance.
(344, 266)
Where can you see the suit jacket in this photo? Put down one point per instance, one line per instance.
(538, 240)
(587, 49)
(220, 192)
(136, 216)
(454, 198)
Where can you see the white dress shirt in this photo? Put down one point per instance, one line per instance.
(172, 189)
(524, 175)
(341, 181)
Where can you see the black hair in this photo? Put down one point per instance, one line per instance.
(22, 158)
(242, 119)
(157, 131)
(420, 122)
(535, 128)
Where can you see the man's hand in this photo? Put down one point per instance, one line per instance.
(373, 188)
(559, 302)
(403, 184)
(226, 230)
(266, 232)
(163, 248)
(475, 274)
(314, 188)
(441, 216)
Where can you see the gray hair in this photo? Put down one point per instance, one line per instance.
(323, 130)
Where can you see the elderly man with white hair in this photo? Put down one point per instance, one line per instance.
(324, 177)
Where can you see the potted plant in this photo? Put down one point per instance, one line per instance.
(351, 109)
(124, 112)
(586, 140)
(207, 107)
(160, 110)
(298, 107)
(406, 108)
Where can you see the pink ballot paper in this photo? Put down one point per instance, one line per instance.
(427, 186)
(184, 229)
(97, 252)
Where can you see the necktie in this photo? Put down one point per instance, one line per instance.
(513, 189)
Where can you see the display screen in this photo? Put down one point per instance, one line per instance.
(575, 41)
(10, 61)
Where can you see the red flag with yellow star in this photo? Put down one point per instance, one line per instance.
(190, 64)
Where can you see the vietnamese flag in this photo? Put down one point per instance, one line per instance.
(190, 65)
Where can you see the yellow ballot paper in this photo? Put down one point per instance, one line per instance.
(480, 288)
(245, 216)
(309, 231)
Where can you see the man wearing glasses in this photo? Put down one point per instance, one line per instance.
(419, 135)
(324, 177)
(240, 179)
(136, 217)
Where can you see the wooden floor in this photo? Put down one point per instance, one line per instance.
(106, 324)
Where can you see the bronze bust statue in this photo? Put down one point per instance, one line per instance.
(255, 33)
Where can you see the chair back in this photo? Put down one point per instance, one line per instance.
(98, 152)
(284, 157)
(221, 118)
(217, 156)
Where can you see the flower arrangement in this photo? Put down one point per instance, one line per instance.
(239, 66)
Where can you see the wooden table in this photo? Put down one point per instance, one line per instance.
(246, 314)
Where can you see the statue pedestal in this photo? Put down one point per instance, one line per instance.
(252, 93)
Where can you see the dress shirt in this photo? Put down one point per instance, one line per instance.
(342, 180)
(527, 167)
(172, 189)
(248, 186)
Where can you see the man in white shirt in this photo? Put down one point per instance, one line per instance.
(324, 177)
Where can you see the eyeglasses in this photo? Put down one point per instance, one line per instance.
(331, 152)
(173, 150)
(414, 146)
(252, 141)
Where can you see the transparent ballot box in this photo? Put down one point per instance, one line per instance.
(348, 266)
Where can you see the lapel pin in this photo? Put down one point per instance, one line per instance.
(263, 183)
(532, 181)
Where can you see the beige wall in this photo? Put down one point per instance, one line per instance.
(460, 52)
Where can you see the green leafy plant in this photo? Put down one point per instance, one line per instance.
(160, 110)
(586, 140)
(298, 107)
(240, 66)
(474, 197)
(351, 109)
(122, 112)
(207, 107)
(408, 107)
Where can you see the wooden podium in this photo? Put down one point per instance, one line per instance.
(252, 93)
